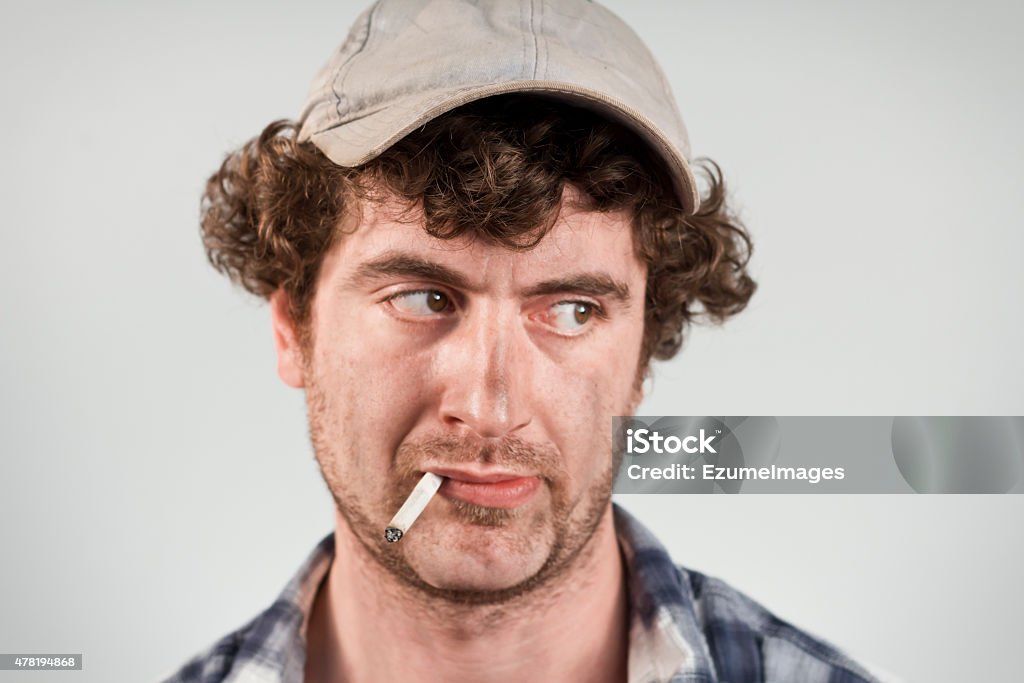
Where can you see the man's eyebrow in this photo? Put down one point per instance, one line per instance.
(403, 264)
(592, 284)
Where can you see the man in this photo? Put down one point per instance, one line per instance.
(481, 231)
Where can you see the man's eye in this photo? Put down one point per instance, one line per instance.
(570, 316)
(422, 302)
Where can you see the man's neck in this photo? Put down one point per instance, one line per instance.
(365, 627)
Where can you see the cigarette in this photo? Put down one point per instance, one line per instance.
(412, 507)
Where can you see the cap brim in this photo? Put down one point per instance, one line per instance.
(355, 142)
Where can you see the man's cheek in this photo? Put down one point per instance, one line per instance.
(373, 385)
(602, 385)
(580, 410)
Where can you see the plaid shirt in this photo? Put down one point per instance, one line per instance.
(686, 627)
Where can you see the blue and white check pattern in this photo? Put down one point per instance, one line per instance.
(686, 627)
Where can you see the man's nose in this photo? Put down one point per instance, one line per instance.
(484, 367)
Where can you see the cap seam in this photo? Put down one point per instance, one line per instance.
(346, 66)
(535, 36)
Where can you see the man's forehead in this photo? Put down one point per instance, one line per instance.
(388, 237)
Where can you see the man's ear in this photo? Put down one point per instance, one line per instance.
(286, 341)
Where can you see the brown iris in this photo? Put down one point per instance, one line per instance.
(582, 313)
(437, 301)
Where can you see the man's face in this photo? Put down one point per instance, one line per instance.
(496, 369)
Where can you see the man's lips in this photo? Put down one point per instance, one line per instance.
(487, 488)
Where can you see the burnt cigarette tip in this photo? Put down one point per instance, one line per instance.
(392, 535)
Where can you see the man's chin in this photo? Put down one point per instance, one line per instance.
(470, 583)
(487, 561)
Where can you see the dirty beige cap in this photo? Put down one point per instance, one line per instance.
(406, 62)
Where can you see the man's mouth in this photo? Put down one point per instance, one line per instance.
(487, 488)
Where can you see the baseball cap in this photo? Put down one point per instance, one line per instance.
(406, 62)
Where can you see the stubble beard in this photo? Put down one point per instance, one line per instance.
(573, 522)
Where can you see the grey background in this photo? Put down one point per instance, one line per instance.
(157, 486)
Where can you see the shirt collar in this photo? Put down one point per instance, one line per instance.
(666, 642)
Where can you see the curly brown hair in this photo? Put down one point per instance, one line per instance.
(494, 169)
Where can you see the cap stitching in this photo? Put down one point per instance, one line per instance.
(339, 77)
(543, 42)
(533, 34)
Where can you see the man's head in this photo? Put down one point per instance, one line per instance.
(476, 300)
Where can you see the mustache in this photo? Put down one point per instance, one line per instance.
(512, 453)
